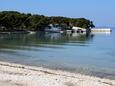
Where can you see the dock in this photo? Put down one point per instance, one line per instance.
(101, 30)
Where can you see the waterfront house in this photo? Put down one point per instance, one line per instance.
(78, 30)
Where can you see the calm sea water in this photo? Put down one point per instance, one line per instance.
(93, 54)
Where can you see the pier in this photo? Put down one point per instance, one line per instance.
(101, 30)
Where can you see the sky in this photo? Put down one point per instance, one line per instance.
(101, 12)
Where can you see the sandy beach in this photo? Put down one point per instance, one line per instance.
(19, 75)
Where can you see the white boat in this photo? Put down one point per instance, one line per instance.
(31, 32)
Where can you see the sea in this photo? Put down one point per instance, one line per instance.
(92, 54)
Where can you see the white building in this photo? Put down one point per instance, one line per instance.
(79, 30)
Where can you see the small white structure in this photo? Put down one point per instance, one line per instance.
(79, 30)
(31, 32)
(53, 28)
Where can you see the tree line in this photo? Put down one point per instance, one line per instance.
(16, 21)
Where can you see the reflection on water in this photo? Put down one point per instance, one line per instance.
(90, 54)
(15, 41)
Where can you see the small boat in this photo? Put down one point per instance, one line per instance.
(31, 32)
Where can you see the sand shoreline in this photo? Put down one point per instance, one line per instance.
(20, 75)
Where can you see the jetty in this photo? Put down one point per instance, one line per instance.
(101, 30)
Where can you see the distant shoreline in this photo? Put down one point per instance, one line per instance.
(16, 75)
(8, 32)
(15, 21)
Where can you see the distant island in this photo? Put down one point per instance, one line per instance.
(16, 21)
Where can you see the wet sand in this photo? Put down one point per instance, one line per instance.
(20, 75)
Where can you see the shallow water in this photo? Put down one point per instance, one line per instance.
(90, 54)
